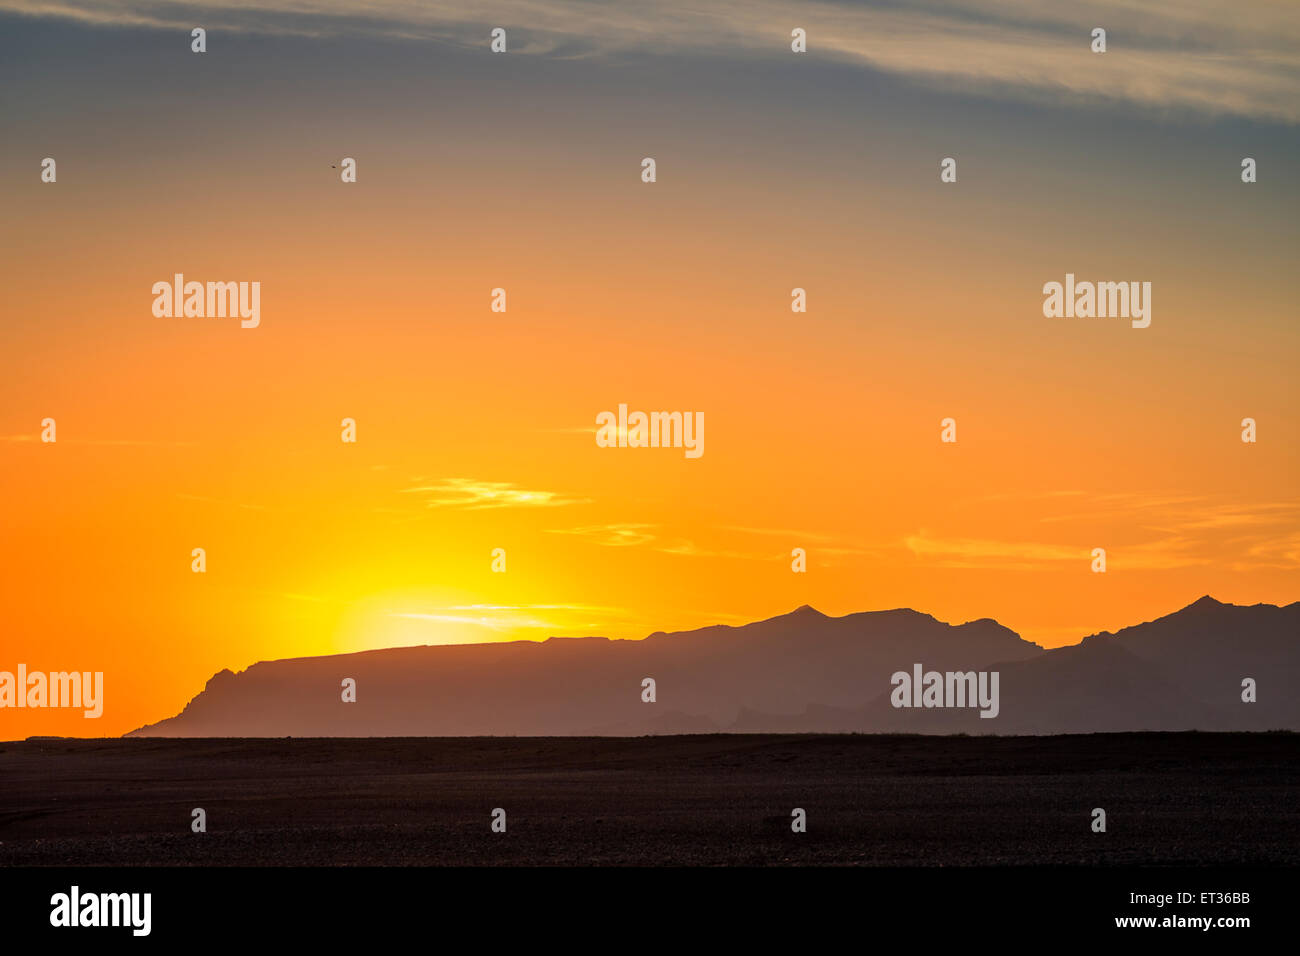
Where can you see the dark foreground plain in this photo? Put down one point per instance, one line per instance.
(1170, 799)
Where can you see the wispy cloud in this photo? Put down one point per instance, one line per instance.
(795, 536)
(635, 535)
(689, 548)
(1163, 554)
(628, 535)
(611, 535)
(818, 545)
(1198, 55)
(473, 494)
(535, 607)
(1280, 552)
(125, 442)
(1182, 531)
(516, 617)
(978, 552)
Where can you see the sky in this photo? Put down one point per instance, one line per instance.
(476, 429)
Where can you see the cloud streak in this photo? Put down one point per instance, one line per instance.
(1192, 530)
(611, 535)
(1201, 56)
(472, 494)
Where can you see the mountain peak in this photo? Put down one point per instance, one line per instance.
(800, 672)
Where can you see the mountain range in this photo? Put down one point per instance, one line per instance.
(802, 671)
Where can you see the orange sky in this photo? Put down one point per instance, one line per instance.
(476, 429)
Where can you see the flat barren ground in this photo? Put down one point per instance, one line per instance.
(719, 799)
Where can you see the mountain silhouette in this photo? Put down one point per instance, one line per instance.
(802, 671)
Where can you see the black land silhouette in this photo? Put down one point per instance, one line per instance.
(800, 672)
